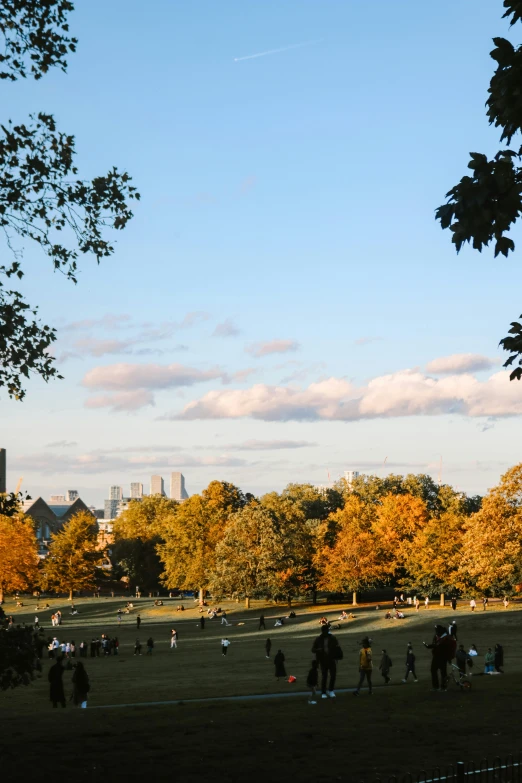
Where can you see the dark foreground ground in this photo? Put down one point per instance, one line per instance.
(401, 728)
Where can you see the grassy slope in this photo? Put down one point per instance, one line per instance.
(403, 727)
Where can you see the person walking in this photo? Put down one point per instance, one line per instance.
(202, 623)
(224, 620)
(454, 604)
(365, 666)
(499, 659)
(505, 602)
(472, 604)
(427, 602)
(443, 648)
(410, 664)
(385, 666)
(261, 622)
(36, 622)
(150, 645)
(327, 653)
(279, 663)
(224, 646)
(137, 647)
(312, 681)
(138, 622)
(485, 603)
(463, 658)
(81, 686)
(174, 639)
(452, 630)
(55, 678)
(417, 604)
(268, 647)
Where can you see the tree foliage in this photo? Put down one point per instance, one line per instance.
(42, 197)
(193, 533)
(17, 657)
(18, 554)
(71, 564)
(485, 205)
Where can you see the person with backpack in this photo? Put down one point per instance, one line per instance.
(385, 666)
(443, 649)
(327, 653)
(365, 666)
(410, 664)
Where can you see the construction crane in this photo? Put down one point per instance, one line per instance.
(17, 490)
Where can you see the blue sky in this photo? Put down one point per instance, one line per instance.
(290, 199)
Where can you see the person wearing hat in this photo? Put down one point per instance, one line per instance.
(443, 648)
(365, 666)
(327, 653)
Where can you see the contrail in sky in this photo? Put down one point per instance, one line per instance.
(275, 51)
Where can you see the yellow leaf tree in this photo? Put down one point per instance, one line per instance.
(492, 543)
(71, 564)
(192, 534)
(18, 555)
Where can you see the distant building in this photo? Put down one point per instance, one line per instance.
(50, 518)
(111, 509)
(57, 499)
(157, 485)
(177, 487)
(136, 490)
(351, 475)
(71, 495)
(3, 470)
(115, 493)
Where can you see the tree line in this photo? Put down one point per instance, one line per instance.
(405, 532)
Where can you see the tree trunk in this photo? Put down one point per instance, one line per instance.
(442, 600)
(201, 594)
(247, 602)
(354, 598)
(71, 594)
(1, 595)
(314, 597)
(289, 601)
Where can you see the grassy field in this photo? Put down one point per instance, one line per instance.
(401, 728)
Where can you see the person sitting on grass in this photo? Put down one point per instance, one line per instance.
(388, 615)
(473, 652)
(279, 622)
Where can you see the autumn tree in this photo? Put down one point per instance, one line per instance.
(397, 521)
(346, 556)
(18, 555)
(137, 533)
(300, 509)
(492, 543)
(73, 559)
(42, 197)
(433, 560)
(249, 558)
(193, 533)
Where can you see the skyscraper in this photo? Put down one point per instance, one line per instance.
(350, 475)
(115, 493)
(3, 470)
(111, 509)
(157, 486)
(71, 495)
(177, 486)
(136, 489)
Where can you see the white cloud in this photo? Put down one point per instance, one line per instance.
(404, 393)
(122, 401)
(226, 329)
(124, 376)
(108, 321)
(461, 363)
(61, 444)
(366, 340)
(268, 445)
(259, 350)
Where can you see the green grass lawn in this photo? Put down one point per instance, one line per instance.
(401, 728)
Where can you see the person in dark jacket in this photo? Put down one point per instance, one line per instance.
(454, 603)
(499, 658)
(326, 649)
(410, 664)
(55, 678)
(279, 662)
(81, 686)
(311, 681)
(261, 622)
(385, 666)
(150, 645)
(443, 648)
(268, 647)
(463, 658)
(202, 623)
